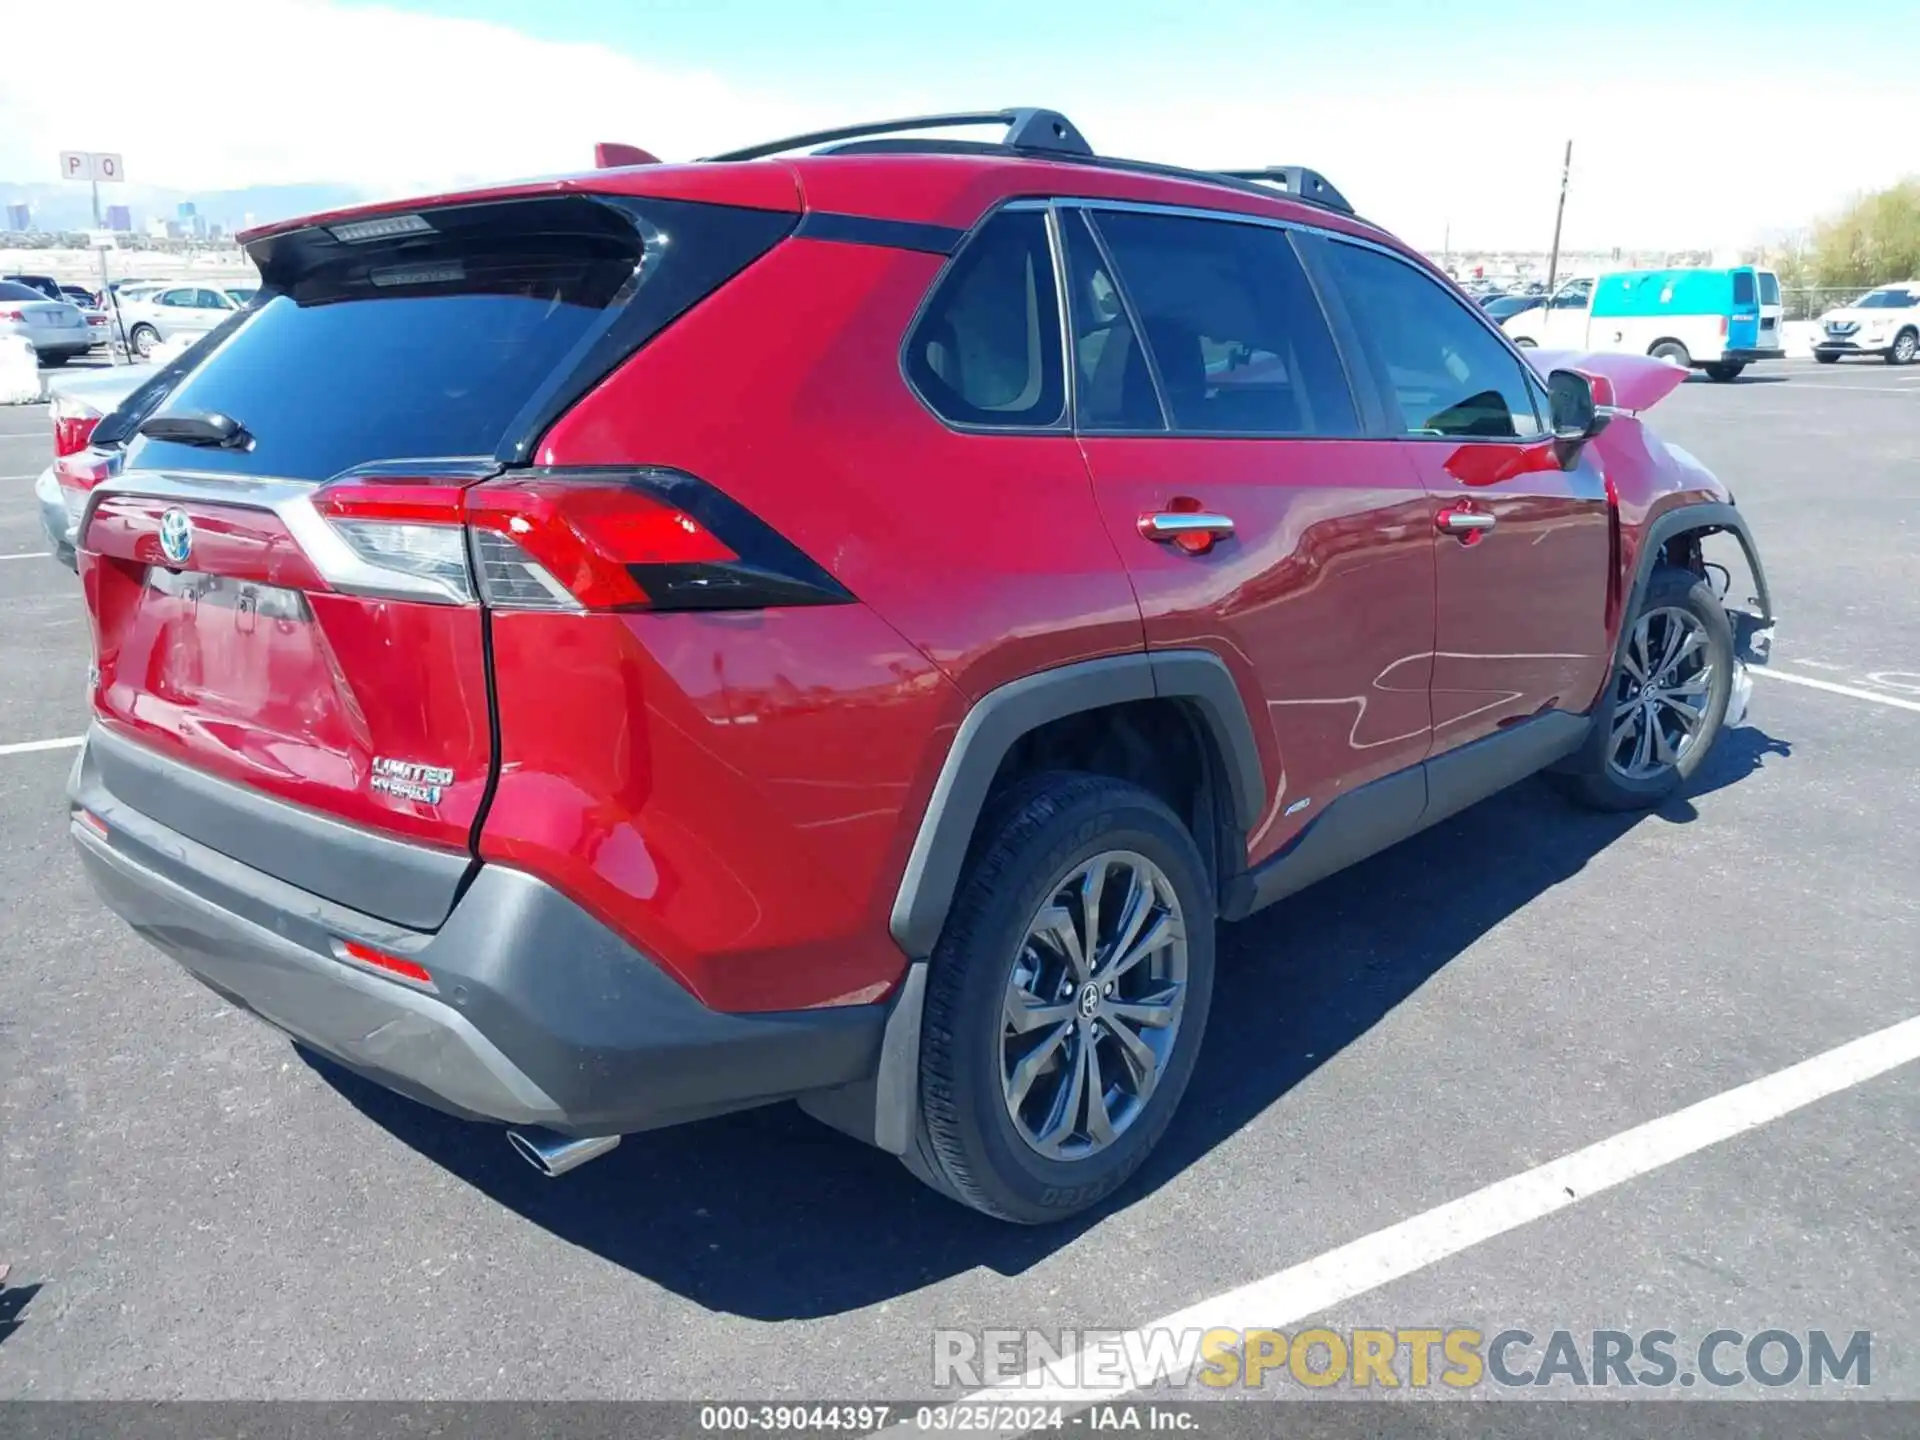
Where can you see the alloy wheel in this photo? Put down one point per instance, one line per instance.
(1662, 695)
(1093, 1005)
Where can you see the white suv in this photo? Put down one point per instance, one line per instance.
(1882, 322)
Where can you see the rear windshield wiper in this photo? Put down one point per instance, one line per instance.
(198, 427)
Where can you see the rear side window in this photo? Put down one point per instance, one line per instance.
(986, 350)
(1769, 288)
(1440, 369)
(1238, 340)
(10, 290)
(462, 336)
(1743, 291)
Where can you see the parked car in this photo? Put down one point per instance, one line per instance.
(76, 403)
(1505, 307)
(1719, 321)
(152, 313)
(46, 285)
(1113, 549)
(1883, 322)
(56, 330)
(81, 296)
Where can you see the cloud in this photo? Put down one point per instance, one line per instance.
(1670, 150)
(294, 90)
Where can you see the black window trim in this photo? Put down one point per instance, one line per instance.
(1375, 416)
(1017, 203)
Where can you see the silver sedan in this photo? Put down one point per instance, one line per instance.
(57, 330)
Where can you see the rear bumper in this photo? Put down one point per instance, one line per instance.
(1747, 357)
(54, 519)
(536, 1013)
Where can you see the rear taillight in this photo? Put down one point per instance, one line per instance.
(402, 537)
(73, 423)
(638, 539)
(15, 315)
(1723, 327)
(77, 475)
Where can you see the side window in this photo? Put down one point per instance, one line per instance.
(1574, 295)
(1115, 383)
(1238, 339)
(179, 299)
(1440, 369)
(986, 351)
(210, 300)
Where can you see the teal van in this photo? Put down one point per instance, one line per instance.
(1719, 321)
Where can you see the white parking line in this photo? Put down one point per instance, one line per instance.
(28, 747)
(1309, 1289)
(29, 555)
(1853, 691)
(34, 476)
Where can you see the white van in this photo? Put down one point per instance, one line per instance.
(1719, 321)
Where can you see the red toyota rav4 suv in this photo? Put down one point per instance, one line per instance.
(600, 652)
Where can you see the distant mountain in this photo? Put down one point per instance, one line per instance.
(65, 205)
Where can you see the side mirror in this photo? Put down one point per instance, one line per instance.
(1574, 412)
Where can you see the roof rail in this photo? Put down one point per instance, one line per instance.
(1300, 183)
(1036, 132)
(1046, 132)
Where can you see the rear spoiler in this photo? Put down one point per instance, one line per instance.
(1629, 383)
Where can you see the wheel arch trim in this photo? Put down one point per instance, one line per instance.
(1000, 718)
(1706, 517)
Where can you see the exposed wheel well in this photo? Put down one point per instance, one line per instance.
(1161, 745)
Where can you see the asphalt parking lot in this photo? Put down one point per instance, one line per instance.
(192, 1209)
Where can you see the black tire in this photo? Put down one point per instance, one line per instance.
(1905, 345)
(1724, 370)
(54, 362)
(966, 1144)
(1672, 350)
(143, 339)
(1827, 358)
(1589, 774)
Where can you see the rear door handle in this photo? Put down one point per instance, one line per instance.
(1175, 524)
(1468, 524)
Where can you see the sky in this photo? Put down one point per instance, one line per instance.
(1694, 122)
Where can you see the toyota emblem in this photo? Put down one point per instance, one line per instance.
(176, 537)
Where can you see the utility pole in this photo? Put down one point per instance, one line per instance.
(1553, 260)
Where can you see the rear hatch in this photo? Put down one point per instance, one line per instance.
(279, 576)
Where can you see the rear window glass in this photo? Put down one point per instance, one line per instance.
(447, 340)
(1743, 287)
(987, 350)
(1769, 288)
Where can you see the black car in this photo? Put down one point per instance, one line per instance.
(1505, 307)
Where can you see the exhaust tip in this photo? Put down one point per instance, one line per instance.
(553, 1154)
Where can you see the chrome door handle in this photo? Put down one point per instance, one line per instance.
(1472, 523)
(1172, 524)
